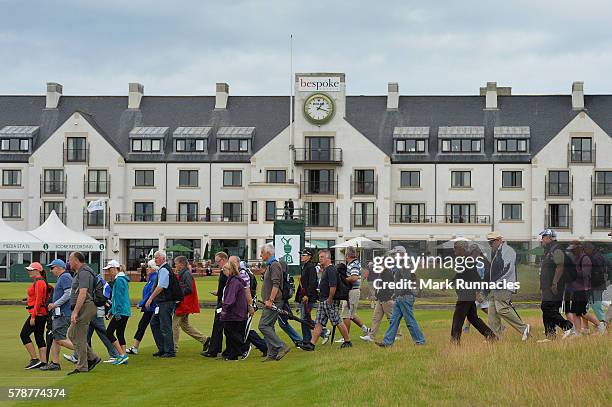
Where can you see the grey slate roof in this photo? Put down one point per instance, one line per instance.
(269, 115)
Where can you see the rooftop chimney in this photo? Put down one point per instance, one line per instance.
(136, 91)
(54, 92)
(578, 95)
(491, 95)
(221, 96)
(392, 96)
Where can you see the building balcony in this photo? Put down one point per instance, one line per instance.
(441, 219)
(558, 222)
(601, 223)
(321, 220)
(364, 220)
(96, 188)
(76, 155)
(53, 188)
(318, 188)
(179, 218)
(601, 190)
(364, 188)
(559, 189)
(317, 156)
(96, 220)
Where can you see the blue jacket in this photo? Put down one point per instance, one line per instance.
(147, 290)
(121, 297)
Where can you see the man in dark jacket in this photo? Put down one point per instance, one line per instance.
(306, 294)
(161, 323)
(465, 307)
(216, 337)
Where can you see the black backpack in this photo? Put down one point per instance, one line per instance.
(288, 288)
(342, 286)
(97, 293)
(175, 292)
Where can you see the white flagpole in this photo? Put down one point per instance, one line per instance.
(291, 146)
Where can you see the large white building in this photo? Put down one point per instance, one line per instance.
(217, 170)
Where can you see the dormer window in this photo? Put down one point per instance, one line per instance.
(235, 139)
(17, 139)
(147, 139)
(461, 139)
(191, 139)
(512, 139)
(410, 140)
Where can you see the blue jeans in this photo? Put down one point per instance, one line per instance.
(306, 316)
(403, 308)
(283, 322)
(161, 327)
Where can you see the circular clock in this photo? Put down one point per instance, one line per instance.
(319, 108)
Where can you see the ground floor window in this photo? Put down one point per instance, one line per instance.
(190, 248)
(138, 250)
(233, 247)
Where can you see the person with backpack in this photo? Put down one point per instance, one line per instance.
(353, 278)
(147, 314)
(233, 312)
(84, 311)
(271, 294)
(598, 283)
(59, 308)
(306, 294)
(288, 290)
(166, 294)
(37, 317)
(119, 312)
(331, 291)
(576, 304)
(189, 305)
(403, 307)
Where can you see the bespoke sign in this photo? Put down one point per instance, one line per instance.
(319, 83)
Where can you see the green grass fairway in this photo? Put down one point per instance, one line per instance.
(509, 373)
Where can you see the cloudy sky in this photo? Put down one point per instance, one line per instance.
(184, 46)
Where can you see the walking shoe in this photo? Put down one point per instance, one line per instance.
(157, 354)
(34, 363)
(92, 363)
(132, 351)
(308, 346)
(601, 328)
(51, 367)
(121, 360)
(366, 338)
(347, 344)
(382, 344)
(247, 353)
(208, 355)
(526, 333)
(341, 340)
(111, 360)
(282, 352)
(168, 355)
(75, 371)
(70, 358)
(206, 344)
(365, 329)
(567, 333)
(325, 338)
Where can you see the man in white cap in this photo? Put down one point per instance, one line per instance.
(503, 270)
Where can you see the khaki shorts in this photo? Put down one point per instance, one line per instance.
(347, 313)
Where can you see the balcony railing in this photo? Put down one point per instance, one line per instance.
(96, 187)
(364, 220)
(44, 215)
(179, 218)
(94, 220)
(364, 188)
(289, 214)
(442, 219)
(55, 188)
(317, 156)
(76, 155)
(563, 222)
(559, 189)
(601, 189)
(318, 188)
(321, 220)
(581, 156)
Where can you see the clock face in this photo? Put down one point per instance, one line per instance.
(319, 108)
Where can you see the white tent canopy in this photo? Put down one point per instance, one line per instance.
(360, 241)
(58, 237)
(12, 240)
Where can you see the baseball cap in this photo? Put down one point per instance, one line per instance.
(112, 263)
(57, 263)
(35, 266)
(494, 235)
(307, 252)
(548, 232)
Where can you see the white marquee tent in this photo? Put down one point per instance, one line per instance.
(12, 240)
(56, 236)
